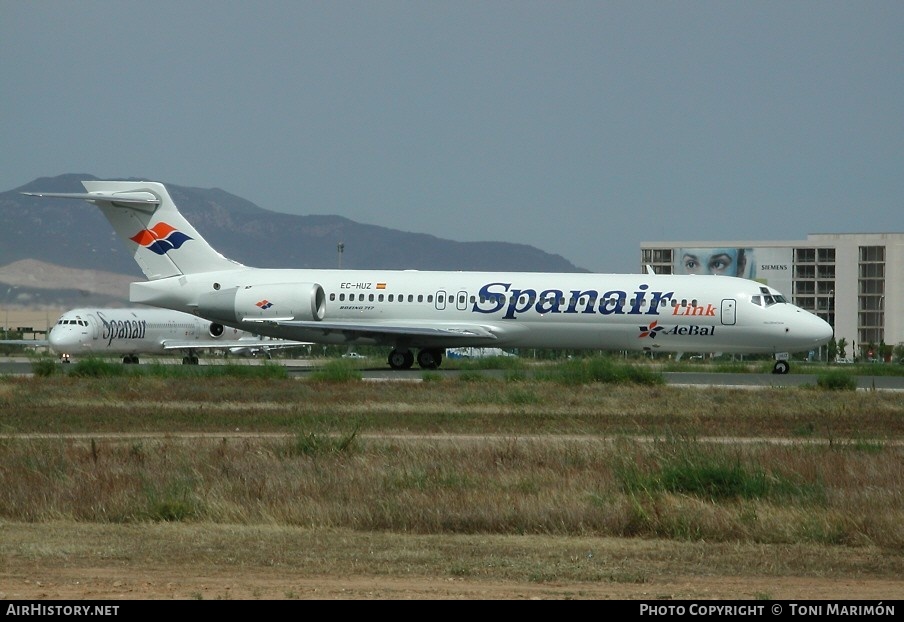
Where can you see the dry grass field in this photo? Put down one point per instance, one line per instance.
(216, 487)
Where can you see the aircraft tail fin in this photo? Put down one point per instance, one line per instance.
(146, 219)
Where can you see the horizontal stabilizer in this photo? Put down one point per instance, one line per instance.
(127, 199)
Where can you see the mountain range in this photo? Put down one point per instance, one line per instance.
(61, 252)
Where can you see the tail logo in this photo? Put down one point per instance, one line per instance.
(264, 304)
(161, 239)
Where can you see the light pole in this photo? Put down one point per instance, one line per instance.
(340, 248)
(882, 345)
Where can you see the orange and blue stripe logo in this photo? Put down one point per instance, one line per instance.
(651, 330)
(161, 238)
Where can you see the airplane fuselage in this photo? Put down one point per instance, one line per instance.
(538, 310)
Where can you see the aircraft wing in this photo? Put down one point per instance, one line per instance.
(28, 343)
(175, 344)
(450, 330)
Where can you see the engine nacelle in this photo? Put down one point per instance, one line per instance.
(284, 301)
(215, 330)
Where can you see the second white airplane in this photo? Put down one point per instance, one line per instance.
(431, 311)
(131, 332)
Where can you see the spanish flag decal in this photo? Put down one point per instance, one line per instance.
(381, 285)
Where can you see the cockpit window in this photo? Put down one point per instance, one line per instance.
(768, 298)
(70, 322)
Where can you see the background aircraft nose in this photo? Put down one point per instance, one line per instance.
(62, 337)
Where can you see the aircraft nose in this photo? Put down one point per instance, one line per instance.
(62, 338)
(815, 330)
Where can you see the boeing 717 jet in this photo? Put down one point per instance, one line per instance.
(426, 312)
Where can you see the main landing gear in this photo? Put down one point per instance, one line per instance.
(427, 358)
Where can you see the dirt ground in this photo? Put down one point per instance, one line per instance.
(104, 583)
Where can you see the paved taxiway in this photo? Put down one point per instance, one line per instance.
(300, 368)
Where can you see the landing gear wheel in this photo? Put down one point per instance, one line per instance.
(190, 360)
(130, 359)
(781, 367)
(401, 359)
(430, 358)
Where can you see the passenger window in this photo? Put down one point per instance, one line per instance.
(333, 296)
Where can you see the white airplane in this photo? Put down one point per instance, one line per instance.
(430, 311)
(130, 332)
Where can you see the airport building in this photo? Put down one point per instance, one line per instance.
(854, 281)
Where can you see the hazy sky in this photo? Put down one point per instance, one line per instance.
(581, 128)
